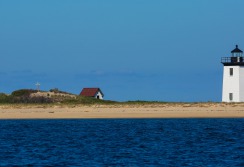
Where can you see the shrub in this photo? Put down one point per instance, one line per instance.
(23, 92)
(55, 90)
(4, 98)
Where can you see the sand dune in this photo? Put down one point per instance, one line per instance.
(167, 110)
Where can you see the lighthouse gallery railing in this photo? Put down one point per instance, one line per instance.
(232, 60)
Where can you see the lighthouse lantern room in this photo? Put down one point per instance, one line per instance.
(233, 77)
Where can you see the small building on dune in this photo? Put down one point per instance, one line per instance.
(92, 92)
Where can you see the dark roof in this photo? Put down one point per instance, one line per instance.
(91, 92)
(236, 50)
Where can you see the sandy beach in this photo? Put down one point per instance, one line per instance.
(167, 110)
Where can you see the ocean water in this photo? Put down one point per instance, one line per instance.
(122, 142)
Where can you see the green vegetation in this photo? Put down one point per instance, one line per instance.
(23, 96)
(23, 92)
(4, 98)
(143, 102)
(56, 90)
(86, 100)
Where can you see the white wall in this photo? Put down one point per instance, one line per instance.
(100, 95)
(241, 84)
(231, 84)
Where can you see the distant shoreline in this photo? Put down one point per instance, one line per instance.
(123, 110)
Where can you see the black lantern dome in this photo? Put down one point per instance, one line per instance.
(236, 58)
(237, 52)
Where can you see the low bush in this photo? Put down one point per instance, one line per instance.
(4, 98)
(23, 92)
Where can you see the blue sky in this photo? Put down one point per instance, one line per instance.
(163, 50)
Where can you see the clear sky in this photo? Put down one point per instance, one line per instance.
(163, 50)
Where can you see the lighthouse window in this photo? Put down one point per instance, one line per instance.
(231, 96)
(231, 71)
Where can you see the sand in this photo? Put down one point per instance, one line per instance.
(167, 110)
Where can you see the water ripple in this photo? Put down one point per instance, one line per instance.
(122, 142)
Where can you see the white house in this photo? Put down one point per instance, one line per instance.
(233, 77)
(92, 92)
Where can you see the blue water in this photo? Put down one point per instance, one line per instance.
(122, 142)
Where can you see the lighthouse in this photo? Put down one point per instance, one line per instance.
(233, 77)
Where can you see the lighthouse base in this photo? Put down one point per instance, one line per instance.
(233, 84)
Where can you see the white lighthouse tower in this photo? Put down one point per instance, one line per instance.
(233, 77)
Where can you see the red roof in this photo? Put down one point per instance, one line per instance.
(91, 92)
